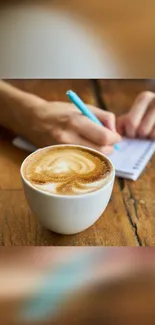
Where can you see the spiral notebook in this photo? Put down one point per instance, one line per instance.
(129, 161)
(132, 158)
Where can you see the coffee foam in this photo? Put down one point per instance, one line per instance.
(67, 170)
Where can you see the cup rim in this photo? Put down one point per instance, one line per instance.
(61, 195)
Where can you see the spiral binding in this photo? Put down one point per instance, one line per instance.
(143, 156)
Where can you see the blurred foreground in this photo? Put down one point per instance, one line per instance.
(77, 39)
(77, 286)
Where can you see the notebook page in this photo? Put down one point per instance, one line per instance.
(143, 162)
(132, 156)
(21, 143)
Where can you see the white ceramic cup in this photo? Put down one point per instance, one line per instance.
(67, 214)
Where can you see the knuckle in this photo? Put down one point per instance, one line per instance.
(65, 118)
(69, 119)
(72, 120)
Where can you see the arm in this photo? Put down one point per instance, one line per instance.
(15, 106)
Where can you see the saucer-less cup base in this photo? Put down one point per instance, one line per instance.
(67, 214)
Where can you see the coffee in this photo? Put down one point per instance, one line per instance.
(67, 170)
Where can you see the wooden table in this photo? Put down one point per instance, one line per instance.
(129, 217)
(127, 27)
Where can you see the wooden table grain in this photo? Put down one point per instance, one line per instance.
(129, 217)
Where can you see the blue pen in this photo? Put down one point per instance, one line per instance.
(75, 99)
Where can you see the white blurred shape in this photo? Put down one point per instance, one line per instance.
(36, 43)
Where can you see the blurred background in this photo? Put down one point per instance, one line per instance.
(77, 286)
(73, 39)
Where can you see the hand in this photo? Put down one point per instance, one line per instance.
(50, 123)
(140, 120)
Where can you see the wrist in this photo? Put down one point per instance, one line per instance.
(29, 107)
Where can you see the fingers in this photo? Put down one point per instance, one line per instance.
(97, 134)
(107, 118)
(107, 150)
(121, 124)
(137, 112)
(79, 140)
(148, 122)
(141, 118)
(72, 137)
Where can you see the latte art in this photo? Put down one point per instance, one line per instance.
(67, 170)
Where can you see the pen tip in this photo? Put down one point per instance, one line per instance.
(116, 147)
